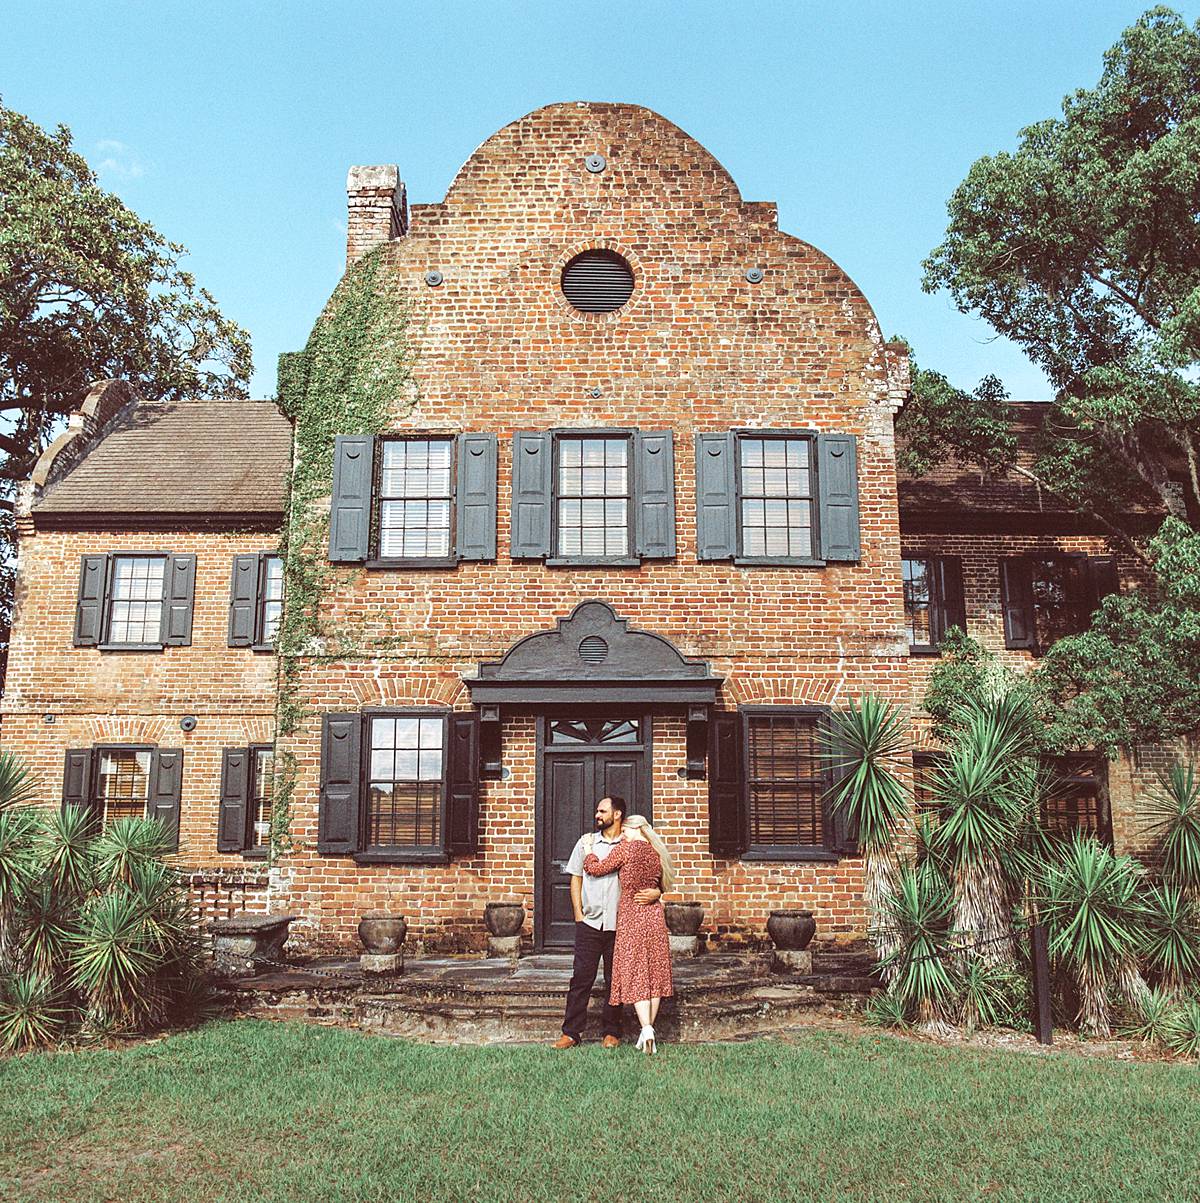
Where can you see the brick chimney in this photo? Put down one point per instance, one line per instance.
(378, 209)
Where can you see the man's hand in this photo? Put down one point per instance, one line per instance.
(648, 897)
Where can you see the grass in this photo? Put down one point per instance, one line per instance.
(292, 1112)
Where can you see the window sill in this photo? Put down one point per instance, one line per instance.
(432, 562)
(130, 647)
(262, 647)
(818, 855)
(254, 854)
(402, 856)
(777, 562)
(614, 562)
(924, 649)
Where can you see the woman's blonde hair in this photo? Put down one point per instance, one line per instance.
(655, 842)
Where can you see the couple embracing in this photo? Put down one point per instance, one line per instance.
(619, 873)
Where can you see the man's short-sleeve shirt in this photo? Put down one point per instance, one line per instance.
(600, 894)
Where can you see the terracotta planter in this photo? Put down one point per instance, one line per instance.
(683, 918)
(791, 931)
(381, 933)
(504, 918)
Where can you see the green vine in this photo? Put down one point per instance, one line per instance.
(354, 376)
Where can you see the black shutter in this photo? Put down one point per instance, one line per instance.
(1103, 579)
(341, 759)
(166, 790)
(179, 588)
(77, 778)
(949, 606)
(89, 609)
(716, 510)
(350, 510)
(531, 493)
(243, 600)
(655, 483)
(476, 497)
(462, 785)
(1016, 600)
(837, 487)
(728, 820)
(233, 819)
(842, 830)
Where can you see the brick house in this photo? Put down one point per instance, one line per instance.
(640, 531)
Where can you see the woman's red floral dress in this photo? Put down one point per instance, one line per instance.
(642, 952)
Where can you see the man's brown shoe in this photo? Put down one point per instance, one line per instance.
(611, 1042)
(565, 1041)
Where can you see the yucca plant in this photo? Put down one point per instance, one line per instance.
(112, 959)
(920, 908)
(1183, 1029)
(1152, 1018)
(31, 1015)
(885, 1010)
(1089, 904)
(19, 827)
(991, 995)
(867, 747)
(45, 925)
(127, 844)
(1173, 811)
(1171, 937)
(66, 851)
(17, 785)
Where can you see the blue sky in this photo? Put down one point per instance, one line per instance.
(230, 126)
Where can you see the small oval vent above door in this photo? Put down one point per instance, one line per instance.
(593, 650)
(597, 281)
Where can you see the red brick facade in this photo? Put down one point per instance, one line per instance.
(699, 348)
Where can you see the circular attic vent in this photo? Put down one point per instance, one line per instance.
(597, 282)
(593, 650)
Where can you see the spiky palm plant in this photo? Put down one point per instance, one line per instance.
(885, 1010)
(45, 925)
(919, 912)
(17, 784)
(991, 995)
(1089, 903)
(19, 826)
(1152, 1018)
(867, 747)
(1173, 811)
(127, 844)
(30, 1013)
(1171, 936)
(113, 956)
(67, 854)
(1183, 1029)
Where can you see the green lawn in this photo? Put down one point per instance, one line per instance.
(262, 1111)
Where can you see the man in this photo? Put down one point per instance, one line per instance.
(594, 900)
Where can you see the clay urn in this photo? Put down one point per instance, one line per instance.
(382, 933)
(683, 918)
(791, 931)
(504, 918)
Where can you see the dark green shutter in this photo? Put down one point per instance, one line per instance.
(462, 785)
(475, 500)
(728, 817)
(837, 488)
(950, 609)
(341, 765)
(89, 609)
(179, 588)
(1016, 601)
(233, 817)
(654, 481)
(1103, 579)
(243, 600)
(716, 516)
(350, 510)
(841, 829)
(531, 493)
(166, 790)
(77, 779)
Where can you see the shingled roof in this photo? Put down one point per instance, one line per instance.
(217, 460)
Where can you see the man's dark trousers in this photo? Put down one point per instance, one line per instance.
(590, 946)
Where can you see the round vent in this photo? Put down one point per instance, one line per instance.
(597, 282)
(593, 650)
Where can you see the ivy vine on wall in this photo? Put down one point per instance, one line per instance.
(354, 376)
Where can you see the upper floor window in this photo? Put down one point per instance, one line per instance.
(247, 792)
(596, 497)
(135, 601)
(256, 600)
(119, 781)
(776, 500)
(933, 600)
(1045, 597)
(425, 501)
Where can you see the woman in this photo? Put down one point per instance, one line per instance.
(642, 952)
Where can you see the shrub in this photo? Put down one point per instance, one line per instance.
(1183, 1029)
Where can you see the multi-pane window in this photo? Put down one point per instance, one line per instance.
(786, 780)
(917, 601)
(593, 497)
(933, 599)
(136, 605)
(414, 499)
(122, 784)
(262, 788)
(775, 491)
(271, 599)
(1059, 598)
(1078, 797)
(1046, 597)
(406, 792)
(925, 766)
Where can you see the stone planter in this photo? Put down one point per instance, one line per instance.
(504, 921)
(382, 935)
(791, 932)
(683, 923)
(248, 944)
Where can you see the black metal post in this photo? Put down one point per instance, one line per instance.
(1040, 961)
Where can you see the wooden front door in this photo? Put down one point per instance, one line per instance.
(582, 760)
